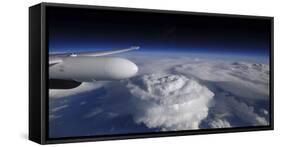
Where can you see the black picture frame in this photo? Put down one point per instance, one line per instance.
(38, 78)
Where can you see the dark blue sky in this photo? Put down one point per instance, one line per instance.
(73, 29)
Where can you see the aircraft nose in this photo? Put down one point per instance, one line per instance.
(119, 68)
(134, 69)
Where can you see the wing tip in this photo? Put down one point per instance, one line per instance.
(135, 47)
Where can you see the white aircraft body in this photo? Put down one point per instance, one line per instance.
(69, 70)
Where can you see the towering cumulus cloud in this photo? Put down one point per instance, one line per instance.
(169, 102)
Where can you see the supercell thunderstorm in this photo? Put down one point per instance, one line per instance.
(169, 93)
(170, 102)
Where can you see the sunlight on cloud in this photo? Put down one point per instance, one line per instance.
(228, 106)
(219, 123)
(170, 102)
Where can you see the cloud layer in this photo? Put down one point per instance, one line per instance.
(248, 80)
(230, 111)
(169, 93)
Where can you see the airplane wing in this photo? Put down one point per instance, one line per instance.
(97, 53)
(58, 58)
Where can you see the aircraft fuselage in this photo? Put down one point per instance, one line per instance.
(88, 69)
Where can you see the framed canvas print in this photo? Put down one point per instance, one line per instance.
(101, 73)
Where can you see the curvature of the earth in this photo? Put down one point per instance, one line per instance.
(171, 92)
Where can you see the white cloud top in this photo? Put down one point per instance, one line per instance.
(170, 102)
